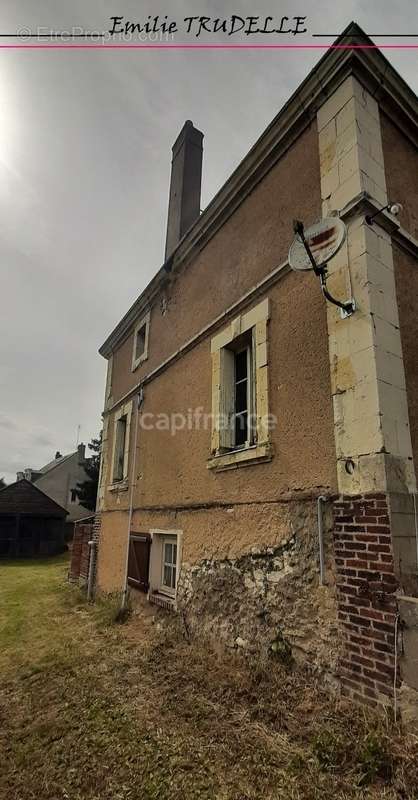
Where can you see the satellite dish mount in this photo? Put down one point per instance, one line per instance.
(312, 249)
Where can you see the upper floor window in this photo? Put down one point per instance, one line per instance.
(140, 343)
(121, 443)
(240, 413)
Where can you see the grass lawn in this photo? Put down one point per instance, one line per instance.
(91, 710)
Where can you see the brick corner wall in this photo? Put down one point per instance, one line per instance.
(367, 605)
(81, 552)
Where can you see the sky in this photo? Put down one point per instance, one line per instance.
(85, 152)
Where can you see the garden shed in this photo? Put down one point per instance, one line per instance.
(31, 523)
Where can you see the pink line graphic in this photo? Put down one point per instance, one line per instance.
(47, 46)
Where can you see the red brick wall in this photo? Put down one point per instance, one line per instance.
(366, 586)
(80, 553)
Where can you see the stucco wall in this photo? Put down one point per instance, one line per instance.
(401, 166)
(172, 469)
(247, 247)
(172, 477)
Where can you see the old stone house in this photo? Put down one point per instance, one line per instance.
(227, 522)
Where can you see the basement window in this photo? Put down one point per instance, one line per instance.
(169, 565)
(164, 566)
(140, 342)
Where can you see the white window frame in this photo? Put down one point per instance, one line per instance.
(165, 589)
(156, 568)
(143, 322)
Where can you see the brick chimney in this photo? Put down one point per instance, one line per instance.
(81, 449)
(185, 185)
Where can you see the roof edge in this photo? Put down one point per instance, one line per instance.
(34, 486)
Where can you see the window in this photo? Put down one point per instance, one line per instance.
(169, 565)
(164, 566)
(73, 496)
(240, 418)
(119, 449)
(140, 343)
(242, 414)
(122, 423)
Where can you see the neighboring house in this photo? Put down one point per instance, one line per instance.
(31, 524)
(59, 478)
(237, 398)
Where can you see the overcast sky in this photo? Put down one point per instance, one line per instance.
(85, 150)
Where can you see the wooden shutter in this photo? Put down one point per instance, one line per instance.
(138, 562)
(227, 399)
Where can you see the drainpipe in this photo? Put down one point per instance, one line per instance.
(320, 514)
(92, 568)
(140, 399)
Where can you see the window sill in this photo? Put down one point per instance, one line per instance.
(118, 486)
(256, 454)
(163, 600)
(138, 363)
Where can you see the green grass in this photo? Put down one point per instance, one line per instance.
(95, 711)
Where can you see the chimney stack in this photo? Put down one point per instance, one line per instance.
(81, 449)
(185, 185)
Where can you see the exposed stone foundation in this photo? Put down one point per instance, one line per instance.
(268, 599)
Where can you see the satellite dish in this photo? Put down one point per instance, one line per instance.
(324, 240)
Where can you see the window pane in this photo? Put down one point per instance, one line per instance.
(241, 428)
(241, 397)
(241, 365)
(140, 342)
(168, 547)
(167, 575)
(173, 576)
(120, 448)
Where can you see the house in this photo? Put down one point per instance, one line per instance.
(260, 447)
(31, 523)
(59, 479)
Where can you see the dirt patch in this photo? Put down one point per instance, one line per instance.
(96, 711)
